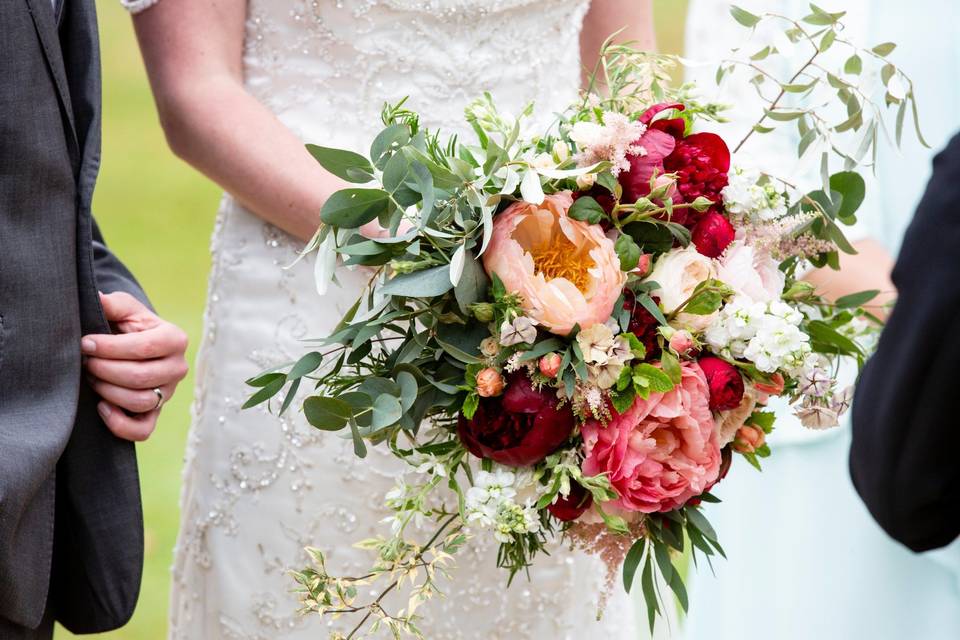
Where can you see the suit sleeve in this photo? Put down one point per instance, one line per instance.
(905, 457)
(111, 274)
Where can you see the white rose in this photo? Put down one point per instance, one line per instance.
(678, 272)
(751, 274)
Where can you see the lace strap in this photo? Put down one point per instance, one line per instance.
(136, 6)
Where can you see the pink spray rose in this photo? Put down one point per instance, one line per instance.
(566, 271)
(660, 452)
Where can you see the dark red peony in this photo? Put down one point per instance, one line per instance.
(642, 323)
(573, 506)
(519, 428)
(725, 382)
(712, 234)
(701, 162)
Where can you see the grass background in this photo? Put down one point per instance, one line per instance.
(157, 214)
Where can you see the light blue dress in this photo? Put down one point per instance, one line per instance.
(805, 559)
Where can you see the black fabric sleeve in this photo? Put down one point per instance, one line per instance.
(905, 457)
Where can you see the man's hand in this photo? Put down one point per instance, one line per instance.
(125, 368)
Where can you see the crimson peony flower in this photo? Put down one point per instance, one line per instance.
(701, 162)
(573, 506)
(642, 323)
(519, 428)
(713, 234)
(726, 383)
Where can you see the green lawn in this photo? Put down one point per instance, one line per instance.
(157, 215)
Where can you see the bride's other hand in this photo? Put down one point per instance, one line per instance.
(193, 52)
(869, 269)
(126, 369)
(634, 21)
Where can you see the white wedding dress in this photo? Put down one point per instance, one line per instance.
(258, 489)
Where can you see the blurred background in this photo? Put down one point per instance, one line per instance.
(157, 215)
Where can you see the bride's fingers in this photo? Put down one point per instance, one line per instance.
(134, 400)
(136, 428)
(134, 374)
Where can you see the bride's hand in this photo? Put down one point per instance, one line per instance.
(127, 369)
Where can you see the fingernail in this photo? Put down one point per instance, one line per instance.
(88, 345)
(104, 410)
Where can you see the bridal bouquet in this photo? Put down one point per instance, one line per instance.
(569, 334)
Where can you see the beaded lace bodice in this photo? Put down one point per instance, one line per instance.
(258, 489)
(325, 67)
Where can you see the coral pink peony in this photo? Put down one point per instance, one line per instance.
(660, 452)
(566, 271)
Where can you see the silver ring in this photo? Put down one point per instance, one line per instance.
(160, 399)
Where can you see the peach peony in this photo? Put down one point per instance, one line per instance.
(660, 452)
(566, 271)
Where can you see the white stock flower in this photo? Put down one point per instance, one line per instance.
(744, 197)
(490, 503)
(768, 335)
(429, 464)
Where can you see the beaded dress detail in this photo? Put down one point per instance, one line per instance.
(258, 489)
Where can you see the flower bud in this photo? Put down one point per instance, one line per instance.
(643, 266)
(772, 388)
(586, 181)
(701, 204)
(489, 383)
(489, 347)
(681, 342)
(799, 290)
(550, 365)
(749, 439)
(482, 311)
(561, 151)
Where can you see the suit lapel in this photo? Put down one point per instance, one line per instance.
(45, 23)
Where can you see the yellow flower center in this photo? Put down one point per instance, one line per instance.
(560, 258)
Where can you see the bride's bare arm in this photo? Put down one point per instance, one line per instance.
(605, 17)
(193, 53)
(870, 268)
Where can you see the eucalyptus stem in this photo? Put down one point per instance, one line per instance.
(776, 101)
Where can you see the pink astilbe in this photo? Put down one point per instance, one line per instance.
(613, 141)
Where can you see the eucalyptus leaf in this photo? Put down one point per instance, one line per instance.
(420, 284)
(353, 208)
(305, 365)
(386, 412)
(408, 389)
(472, 284)
(394, 136)
(857, 299)
(327, 414)
(744, 17)
(344, 164)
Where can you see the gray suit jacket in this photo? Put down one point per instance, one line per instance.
(71, 532)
